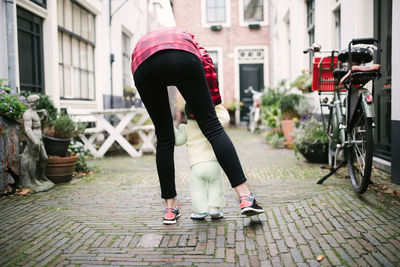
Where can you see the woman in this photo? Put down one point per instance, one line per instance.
(171, 56)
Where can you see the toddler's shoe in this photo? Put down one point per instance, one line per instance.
(171, 215)
(199, 216)
(249, 206)
(216, 214)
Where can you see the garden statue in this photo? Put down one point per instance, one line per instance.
(34, 157)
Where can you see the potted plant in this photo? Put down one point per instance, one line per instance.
(60, 164)
(59, 136)
(288, 106)
(303, 82)
(231, 107)
(271, 115)
(311, 140)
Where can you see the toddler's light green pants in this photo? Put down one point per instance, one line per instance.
(203, 175)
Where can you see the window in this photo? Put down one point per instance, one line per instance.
(76, 44)
(310, 25)
(126, 60)
(252, 12)
(216, 11)
(30, 51)
(337, 29)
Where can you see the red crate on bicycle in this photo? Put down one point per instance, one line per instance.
(323, 74)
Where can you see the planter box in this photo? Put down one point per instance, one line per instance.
(9, 154)
(316, 153)
(60, 169)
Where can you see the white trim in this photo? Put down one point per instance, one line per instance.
(90, 104)
(247, 23)
(126, 31)
(236, 70)
(34, 8)
(204, 22)
(220, 77)
(91, 6)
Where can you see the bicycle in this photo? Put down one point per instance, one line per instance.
(349, 124)
(255, 109)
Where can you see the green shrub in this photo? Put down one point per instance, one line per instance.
(77, 148)
(288, 106)
(46, 103)
(12, 106)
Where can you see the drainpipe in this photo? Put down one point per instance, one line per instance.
(111, 56)
(271, 43)
(12, 69)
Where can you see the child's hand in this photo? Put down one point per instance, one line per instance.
(180, 135)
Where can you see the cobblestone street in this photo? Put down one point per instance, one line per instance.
(115, 218)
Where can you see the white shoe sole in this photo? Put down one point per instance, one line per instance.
(198, 217)
(216, 216)
(249, 211)
(172, 222)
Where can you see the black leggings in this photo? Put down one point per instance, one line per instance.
(185, 71)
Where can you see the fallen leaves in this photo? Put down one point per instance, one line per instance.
(320, 258)
(23, 192)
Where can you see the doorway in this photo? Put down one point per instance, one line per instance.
(250, 75)
(383, 84)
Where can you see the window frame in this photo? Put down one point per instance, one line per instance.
(39, 3)
(126, 55)
(72, 36)
(244, 23)
(206, 24)
(310, 26)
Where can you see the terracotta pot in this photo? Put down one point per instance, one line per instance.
(60, 169)
(287, 128)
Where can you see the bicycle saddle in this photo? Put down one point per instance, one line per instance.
(359, 55)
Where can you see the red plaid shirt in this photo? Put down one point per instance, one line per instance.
(178, 39)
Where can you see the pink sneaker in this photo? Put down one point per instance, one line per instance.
(249, 206)
(171, 215)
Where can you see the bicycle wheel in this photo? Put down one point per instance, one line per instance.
(359, 153)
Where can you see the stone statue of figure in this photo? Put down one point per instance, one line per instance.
(34, 157)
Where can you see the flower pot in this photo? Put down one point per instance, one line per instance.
(60, 169)
(287, 129)
(56, 146)
(232, 118)
(315, 152)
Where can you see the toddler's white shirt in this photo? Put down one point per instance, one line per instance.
(199, 149)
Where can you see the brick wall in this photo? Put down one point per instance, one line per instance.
(188, 16)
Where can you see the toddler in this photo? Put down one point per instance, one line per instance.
(206, 173)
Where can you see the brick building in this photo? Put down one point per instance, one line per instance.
(236, 34)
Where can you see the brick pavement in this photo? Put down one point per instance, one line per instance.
(114, 218)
